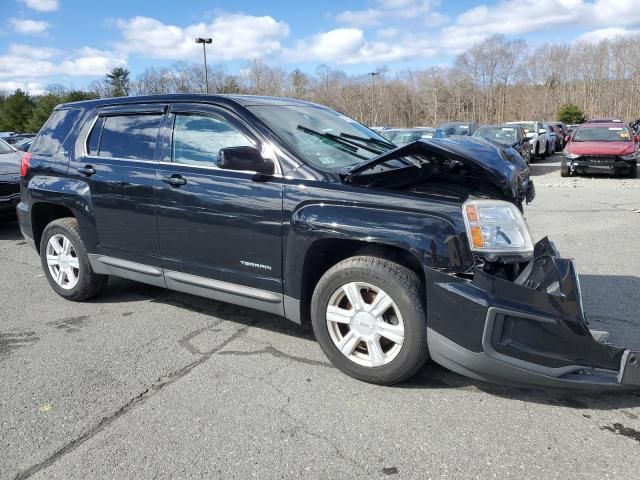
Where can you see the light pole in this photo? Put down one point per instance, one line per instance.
(204, 42)
(373, 96)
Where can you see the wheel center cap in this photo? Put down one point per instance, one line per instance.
(364, 323)
(63, 260)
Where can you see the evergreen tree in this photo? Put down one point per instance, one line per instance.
(118, 80)
(571, 113)
(16, 111)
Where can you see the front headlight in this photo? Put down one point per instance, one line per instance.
(570, 155)
(496, 227)
(631, 156)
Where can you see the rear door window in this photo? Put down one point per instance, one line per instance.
(128, 136)
(55, 131)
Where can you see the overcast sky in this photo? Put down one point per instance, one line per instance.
(72, 42)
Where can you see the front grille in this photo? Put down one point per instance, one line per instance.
(600, 158)
(9, 188)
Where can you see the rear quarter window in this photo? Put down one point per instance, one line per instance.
(54, 132)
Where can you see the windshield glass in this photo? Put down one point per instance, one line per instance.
(529, 127)
(506, 135)
(403, 138)
(602, 134)
(4, 147)
(308, 142)
(455, 128)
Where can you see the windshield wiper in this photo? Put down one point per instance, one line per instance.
(351, 146)
(382, 143)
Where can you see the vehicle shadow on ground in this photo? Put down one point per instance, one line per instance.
(431, 376)
(9, 230)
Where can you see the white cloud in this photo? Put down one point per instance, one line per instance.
(25, 61)
(517, 17)
(235, 36)
(382, 11)
(611, 33)
(349, 46)
(42, 5)
(34, 88)
(28, 27)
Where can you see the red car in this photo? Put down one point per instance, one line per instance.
(601, 148)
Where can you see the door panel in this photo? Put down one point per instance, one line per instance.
(219, 224)
(121, 191)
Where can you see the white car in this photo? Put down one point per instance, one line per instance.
(537, 135)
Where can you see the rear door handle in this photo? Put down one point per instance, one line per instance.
(175, 180)
(87, 170)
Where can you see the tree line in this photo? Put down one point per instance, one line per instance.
(494, 81)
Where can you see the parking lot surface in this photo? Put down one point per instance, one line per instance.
(147, 383)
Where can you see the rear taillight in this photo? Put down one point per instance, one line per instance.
(24, 164)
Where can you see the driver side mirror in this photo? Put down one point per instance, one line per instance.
(637, 138)
(245, 159)
(567, 139)
(542, 130)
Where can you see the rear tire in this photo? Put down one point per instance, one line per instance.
(346, 328)
(65, 262)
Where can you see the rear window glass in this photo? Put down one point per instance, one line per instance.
(4, 147)
(129, 136)
(54, 132)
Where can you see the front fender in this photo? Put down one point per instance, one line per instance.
(435, 238)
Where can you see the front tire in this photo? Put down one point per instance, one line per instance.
(66, 263)
(368, 317)
(633, 171)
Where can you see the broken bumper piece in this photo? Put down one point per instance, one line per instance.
(529, 332)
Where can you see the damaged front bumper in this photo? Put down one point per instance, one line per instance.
(529, 332)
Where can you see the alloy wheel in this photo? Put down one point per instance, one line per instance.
(365, 324)
(62, 261)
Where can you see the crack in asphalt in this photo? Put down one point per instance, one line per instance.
(270, 350)
(156, 387)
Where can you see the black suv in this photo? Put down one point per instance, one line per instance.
(394, 254)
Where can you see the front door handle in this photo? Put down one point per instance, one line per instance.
(87, 170)
(175, 180)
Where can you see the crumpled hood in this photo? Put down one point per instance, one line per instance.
(601, 148)
(10, 163)
(502, 165)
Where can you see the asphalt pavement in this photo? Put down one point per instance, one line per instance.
(147, 383)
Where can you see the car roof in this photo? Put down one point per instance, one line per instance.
(602, 125)
(500, 125)
(604, 120)
(242, 100)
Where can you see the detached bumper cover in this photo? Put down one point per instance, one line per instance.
(530, 332)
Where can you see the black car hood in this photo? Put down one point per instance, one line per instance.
(502, 165)
(10, 163)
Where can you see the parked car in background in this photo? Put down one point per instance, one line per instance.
(551, 138)
(561, 131)
(604, 120)
(393, 254)
(12, 138)
(601, 148)
(9, 181)
(24, 144)
(537, 135)
(512, 136)
(388, 133)
(408, 135)
(458, 128)
(570, 129)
